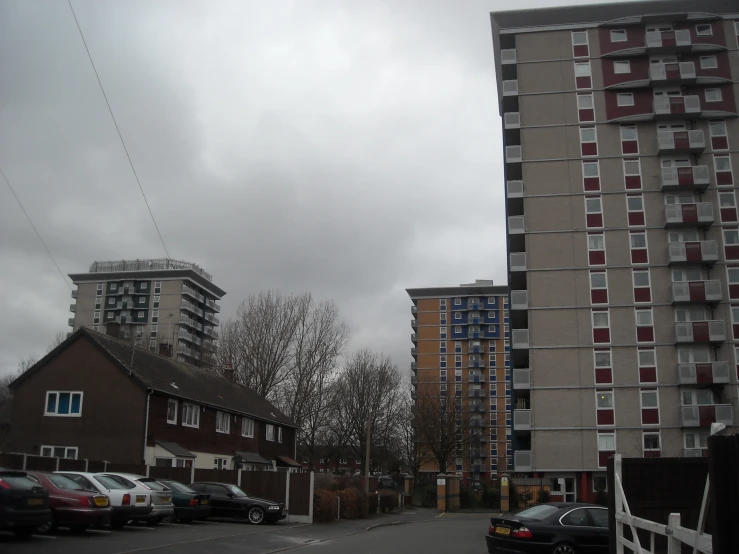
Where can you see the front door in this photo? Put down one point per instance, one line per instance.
(570, 490)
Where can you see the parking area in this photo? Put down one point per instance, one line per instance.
(198, 536)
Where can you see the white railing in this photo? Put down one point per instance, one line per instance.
(147, 265)
(510, 88)
(513, 153)
(521, 378)
(667, 139)
(518, 261)
(508, 56)
(515, 189)
(516, 224)
(520, 338)
(658, 71)
(512, 120)
(663, 105)
(521, 420)
(677, 536)
(519, 299)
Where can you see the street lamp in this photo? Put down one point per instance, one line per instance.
(367, 452)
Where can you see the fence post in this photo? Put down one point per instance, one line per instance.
(338, 508)
(287, 492)
(674, 546)
(57, 463)
(723, 457)
(619, 503)
(105, 466)
(238, 477)
(147, 470)
(25, 456)
(377, 492)
(310, 503)
(87, 465)
(192, 473)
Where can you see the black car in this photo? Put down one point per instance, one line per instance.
(553, 528)
(188, 503)
(24, 504)
(230, 501)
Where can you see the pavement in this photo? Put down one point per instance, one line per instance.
(411, 531)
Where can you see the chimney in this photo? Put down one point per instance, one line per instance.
(228, 372)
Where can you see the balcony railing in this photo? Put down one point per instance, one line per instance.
(519, 300)
(183, 334)
(695, 452)
(513, 154)
(514, 189)
(184, 320)
(413, 337)
(475, 393)
(521, 378)
(703, 416)
(672, 73)
(685, 178)
(187, 305)
(74, 293)
(522, 420)
(414, 309)
(696, 292)
(689, 215)
(414, 366)
(681, 142)
(210, 345)
(522, 461)
(70, 322)
(512, 120)
(73, 308)
(520, 338)
(708, 373)
(518, 261)
(475, 378)
(211, 331)
(677, 106)
(414, 351)
(700, 332)
(668, 41)
(189, 291)
(508, 56)
(213, 305)
(212, 319)
(702, 252)
(510, 88)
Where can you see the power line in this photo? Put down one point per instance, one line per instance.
(105, 96)
(28, 217)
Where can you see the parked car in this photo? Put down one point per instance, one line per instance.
(230, 501)
(188, 503)
(24, 504)
(161, 497)
(129, 501)
(552, 528)
(71, 504)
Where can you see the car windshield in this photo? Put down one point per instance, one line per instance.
(82, 481)
(179, 487)
(236, 490)
(18, 481)
(65, 483)
(114, 484)
(153, 484)
(538, 512)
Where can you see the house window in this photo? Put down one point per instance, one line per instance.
(709, 62)
(142, 300)
(647, 361)
(605, 408)
(596, 249)
(606, 447)
(591, 176)
(442, 304)
(697, 397)
(270, 432)
(457, 346)
(99, 289)
(713, 95)
(157, 287)
(625, 99)
(457, 301)
(68, 452)
(141, 315)
(144, 285)
(583, 75)
(63, 403)
(618, 35)
(719, 139)
(621, 67)
(442, 333)
(722, 166)
(598, 287)
(223, 422)
(635, 210)
(457, 329)
(642, 291)
(651, 442)
(113, 286)
(156, 302)
(649, 407)
(172, 411)
(111, 301)
(588, 141)
(190, 415)
(601, 326)
(733, 280)
(279, 435)
(457, 315)
(632, 173)
(593, 212)
(220, 463)
(639, 254)
(696, 440)
(704, 30)
(603, 367)
(580, 44)
(585, 108)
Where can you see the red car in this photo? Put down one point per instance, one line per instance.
(72, 505)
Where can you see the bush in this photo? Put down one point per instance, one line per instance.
(325, 506)
(490, 497)
(351, 503)
(325, 481)
(543, 496)
(512, 497)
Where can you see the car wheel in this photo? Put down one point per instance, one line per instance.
(256, 515)
(564, 549)
(24, 532)
(48, 527)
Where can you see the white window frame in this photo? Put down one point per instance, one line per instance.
(651, 433)
(699, 437)
(591, 99)
(114, 287)
(621, 67)
(718, 95)
(638, 196)
(715, 164)
(628, 161)
(56, 404)
(642, 406)
(612, 436)
(641, 271)
(694, 397)
(46, 447)
(270, 432)
(590, 202)
(279, 436)
(735, 270)
(603, 237)
(619, 37)
(709, 62)
(730, 232)
(624, 99)
(711, 125)
(457, 315)
(639, 362)
(605, 394)
(591, 164)
(607, 352)
(223, 422)
(630, 128)
(592, 319)
(188, 410)
(170, 403)
(140, 314)
(220, 462)
(589, 128)
(585, 33)
(646, 243)
(457, 301)
(602, 272)
(583, 65)
(707, 30)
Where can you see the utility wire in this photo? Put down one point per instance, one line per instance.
(105, 96)
(28, 217)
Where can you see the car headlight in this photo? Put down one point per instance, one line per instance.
(273, 508)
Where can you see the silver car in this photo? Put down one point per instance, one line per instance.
(161, 496)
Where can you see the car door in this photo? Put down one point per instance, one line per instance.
(219, 500)
(599, 518)
(579, 527)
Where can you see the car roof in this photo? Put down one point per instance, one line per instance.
(213, 483)
(573, 505)
(129, 475)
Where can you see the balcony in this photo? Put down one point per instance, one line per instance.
(518, 262)
(478, 407)
(475, 393)
(212, 319)
(709, 373)
(474, 304)
(683, 107)
(510, 88)
(668, 41)
(701, 332)
(662, 74)
(516, 225)
(514, 189)
(522, 420)
(475, 378)
(519, 300)
(414, 337)
(73, 308)
(108, 307)
(685, 178)
(696, 292)
(476, 348)
(70, 322)
(189, 306)
(185, 351)
(508, 56)
(476, 364)
(213, 305)
(191, 292)
(414, 323)
(521, 378)
(512, 120)
(184, 320)
(74, 293)
(210, 345)
(513, 154)
(689, 215)
(520, 339)
(414, 309)
(681, 142)
(414, 366)
(211, 332)
(522, 461)
(703, 416)
(414, 351)
(702, 252)
(185, 335)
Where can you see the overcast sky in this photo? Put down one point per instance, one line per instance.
(346, 148)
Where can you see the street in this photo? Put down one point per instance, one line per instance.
(462, 533)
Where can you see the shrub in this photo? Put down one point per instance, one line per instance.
(325, 506)
(351, 503)
(512, 497)
(542, 496)
(490, 497)
(325, 481)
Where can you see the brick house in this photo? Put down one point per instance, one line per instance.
(96, 397)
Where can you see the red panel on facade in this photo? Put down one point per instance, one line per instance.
(722, 71)
(643, 100)
(599, 296)
(642, 294)
(728, 214)
(720, 143)
(601, 336)
(603, 375)
(635, 39)
(594, 220)
(647, 374)
(630, 146)
(717, 36)
(681, 139)
(693, 252)
(639, 256)
(685, 176)
(704, 374)
(587, 115)
(700, 331)
(636, 218)
(589, 149)
(605, 417)
(668, 38)
(591, 183)
(645, 334)
(707, 415)
(690, 213)
(724, 178)
(580, 51)
(583, 83)
(733, 291)
(603, 458)
(735, 329)
(639, 72)
(650, 416)
(727, 103)
(632, 182)
(697, 292)
(731, 252)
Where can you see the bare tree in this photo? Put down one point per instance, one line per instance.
(59, 338)
(411, 450)
(24, 365)
(446, 425)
